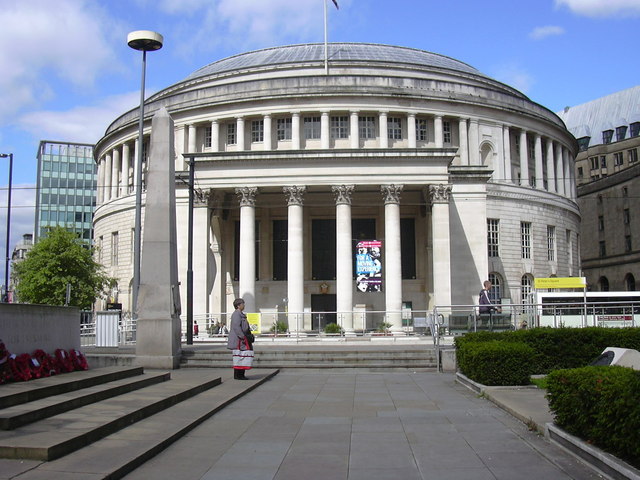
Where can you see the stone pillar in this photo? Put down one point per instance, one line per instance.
(524, 159)
(439, 196)
(474, 142)
(158, 327)
(267, 133)
(411, 130)
(567, 173)
(551, 177)
(240, 145)
(463, 150)
(384, 135)
(108, 170)
(192, 139)
(135, 164)
(437, 131)
(295, 256)
(100, 182)
(538, 181)
(506, 139)
(247, 283)
(344, 267)
(115, 173)
(392, 256)
(295, 131)
(126, 166)
(354, 131)
(215, 136)
(324, 130)
(559, 169)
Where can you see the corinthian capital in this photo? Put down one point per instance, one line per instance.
(342, 193)
(439, 193)
(294, 194)
(391, 193)
(247, 196)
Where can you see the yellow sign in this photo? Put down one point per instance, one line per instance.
(560, 282)
(254, 322)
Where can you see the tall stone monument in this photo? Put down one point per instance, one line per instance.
(158, 336)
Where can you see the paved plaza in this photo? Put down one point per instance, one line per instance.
(362, 426)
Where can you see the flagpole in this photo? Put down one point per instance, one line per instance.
(326, 46)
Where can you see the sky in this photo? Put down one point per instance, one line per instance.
(66, 71)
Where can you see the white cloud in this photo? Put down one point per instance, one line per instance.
(602, 8)
(514, 76)
(539, 33)
(62, 41)
(82, 124)
(23, 201)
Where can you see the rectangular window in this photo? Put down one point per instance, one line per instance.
(311, 128)
(422, 133)
(607, 136)
(602, 248)
(394, 128)
(634, 131)
(408, 247)
(340, 127)
(283, 128)
(618, 159)
(532, 148)
(580, 173)
(627, 243)
(114, 249)
(207, 137)
(257, 131)
(100, 247)
(603, 161)
(367, 127)
(323, 249)
(446, 132)
(525, 239)
(493, 237)
(551, 243)
(621, 132)
(279, 246)
(593, 161)
(626, 217)
(600, 223)
(632, 155)
(231, 134)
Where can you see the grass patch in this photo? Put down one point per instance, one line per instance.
(540, 382)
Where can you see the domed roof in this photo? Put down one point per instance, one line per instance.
(351, 52)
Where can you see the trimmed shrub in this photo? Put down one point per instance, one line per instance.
(601, 405)
(497, 363)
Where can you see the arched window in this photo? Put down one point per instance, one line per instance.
(496, 287)
(526, 289)
(630, 282)
(603, 284)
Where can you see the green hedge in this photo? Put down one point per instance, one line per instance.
(601, 405)
(497, 363)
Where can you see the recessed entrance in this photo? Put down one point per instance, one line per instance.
(324, 310)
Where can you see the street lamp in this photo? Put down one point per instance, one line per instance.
(144, 41)
(5, 298)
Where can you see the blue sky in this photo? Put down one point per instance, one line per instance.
(66, 70)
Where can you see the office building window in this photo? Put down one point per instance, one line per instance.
(394, 128)
(583, 144)
(207, 137)
(632, 155)
(339, 127)
(593, 161)
(283, 128)
(580, 173)
(446, 132)
(607, 136)
(114, 249)
(627, 243)
(600, 223)
(257, 130)
(634, 131)
(551, 243)
(603, 161)
(525, 239)
(367, 127)
(618, 159)
(526, 289)
(312, 128)
(621, 132)
(231, 134)
(626, 217)
(279, 248)
(493, 236)
(495, 294)
(422, 134)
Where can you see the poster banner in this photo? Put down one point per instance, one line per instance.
(369, 266)
(255, 321)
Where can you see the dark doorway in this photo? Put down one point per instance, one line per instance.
(319, 305)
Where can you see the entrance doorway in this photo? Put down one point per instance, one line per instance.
(323, 307)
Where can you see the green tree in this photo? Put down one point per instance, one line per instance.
(56, 260)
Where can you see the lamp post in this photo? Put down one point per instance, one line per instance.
(144, 41)
(5, 297)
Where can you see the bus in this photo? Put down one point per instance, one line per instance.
(590, 309)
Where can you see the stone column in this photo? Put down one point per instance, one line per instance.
(215, 136)
(384, 135)
(267, 143)
(136, 146)
(437, 131)
(240, 142)
(463, 150)
(295, 256)
(392, 256)
(439, 196)
(324, 130)
(506, 139)
(354, 131)
(474, 142)
(524, 159)
(567, 173)
(538, 180)
(551, 177)
(126, 166)
(100, 182)
(295, 131)
(192, 139)
(115, 173)
(559, 169)
(344, 267)
(411, 130)
(247, 282)
(108, 170)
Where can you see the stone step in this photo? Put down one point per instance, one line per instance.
(22, 392)
(29, 412)
(61, 434)
(123, 451)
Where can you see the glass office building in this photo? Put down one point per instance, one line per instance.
(66, 194)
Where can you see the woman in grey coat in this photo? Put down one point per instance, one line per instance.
(239, 335)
